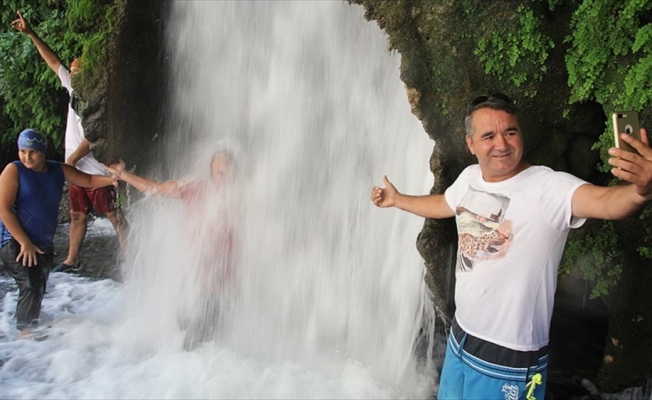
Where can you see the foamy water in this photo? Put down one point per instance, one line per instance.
(89, 351)
(86, 355)
(329, 300)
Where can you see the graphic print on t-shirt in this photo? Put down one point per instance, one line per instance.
(483, 231)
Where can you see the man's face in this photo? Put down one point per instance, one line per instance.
(75, 66)
(32, 159)
(222, 169)
(497, 142)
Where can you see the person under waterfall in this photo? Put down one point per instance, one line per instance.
(30, 193)
(513, 219)
(212, 209)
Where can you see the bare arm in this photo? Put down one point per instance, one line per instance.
(50, 57)
(622, 201)
(81, 150)
(427, 206)
(8, 191)
(145, 185)
(83, 179)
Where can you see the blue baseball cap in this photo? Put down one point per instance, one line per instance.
(32, 139)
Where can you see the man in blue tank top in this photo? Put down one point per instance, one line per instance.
(30, 192)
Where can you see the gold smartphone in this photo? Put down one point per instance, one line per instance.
(626, 122)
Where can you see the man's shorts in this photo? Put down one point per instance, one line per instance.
(476, 369)
(102, 200)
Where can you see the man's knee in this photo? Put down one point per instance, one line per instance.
(113, 217)
(78, 216)
(117, 219)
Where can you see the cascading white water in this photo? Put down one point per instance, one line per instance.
(311, 97)
(329, 300)
(311, 93)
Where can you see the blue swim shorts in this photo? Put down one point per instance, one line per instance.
(477, 369)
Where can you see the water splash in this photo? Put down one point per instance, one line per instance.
(313, 96)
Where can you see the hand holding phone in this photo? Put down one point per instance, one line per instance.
(626, 122)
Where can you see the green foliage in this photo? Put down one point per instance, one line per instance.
(609, 60)
(553, 4)
(93, 21)
(597, 255)
(645, 249)
(517, 53)
(31, 92)
(610, 57)
(604, 143)
(28, 88)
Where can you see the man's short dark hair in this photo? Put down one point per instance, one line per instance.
(496, 101)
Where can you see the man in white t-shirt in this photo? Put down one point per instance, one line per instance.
(78, 154)
(513, 219)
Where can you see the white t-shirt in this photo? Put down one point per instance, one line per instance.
(511, 239)
(75, 133)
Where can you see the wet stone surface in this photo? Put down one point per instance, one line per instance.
(100, 255)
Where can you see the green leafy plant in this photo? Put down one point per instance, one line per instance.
(609, 60)
(517, 54)
(645, 249)
(28, 88)
(31, 94)
(610, 55)
(598, 257)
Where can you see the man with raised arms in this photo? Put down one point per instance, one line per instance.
(513, 219)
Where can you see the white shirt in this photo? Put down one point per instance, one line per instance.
(75, 133)
(511, 237)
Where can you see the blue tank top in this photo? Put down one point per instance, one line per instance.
(37, 204)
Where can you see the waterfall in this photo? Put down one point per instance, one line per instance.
(312, 99)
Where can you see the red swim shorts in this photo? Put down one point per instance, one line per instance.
(102, 200)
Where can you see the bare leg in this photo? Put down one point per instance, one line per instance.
(77, 233)
(121, 227)
(204, 328)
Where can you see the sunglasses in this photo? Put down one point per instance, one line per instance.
(475, 103)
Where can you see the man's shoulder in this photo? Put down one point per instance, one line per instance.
(471, 169)
(12, 167)
(539, 171)
(63, 71)
(64, 76)
(54, 164)
(550, 180)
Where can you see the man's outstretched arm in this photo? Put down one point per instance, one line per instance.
(620, 201)
(148, 186)
(428, 206)
(50, 57)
